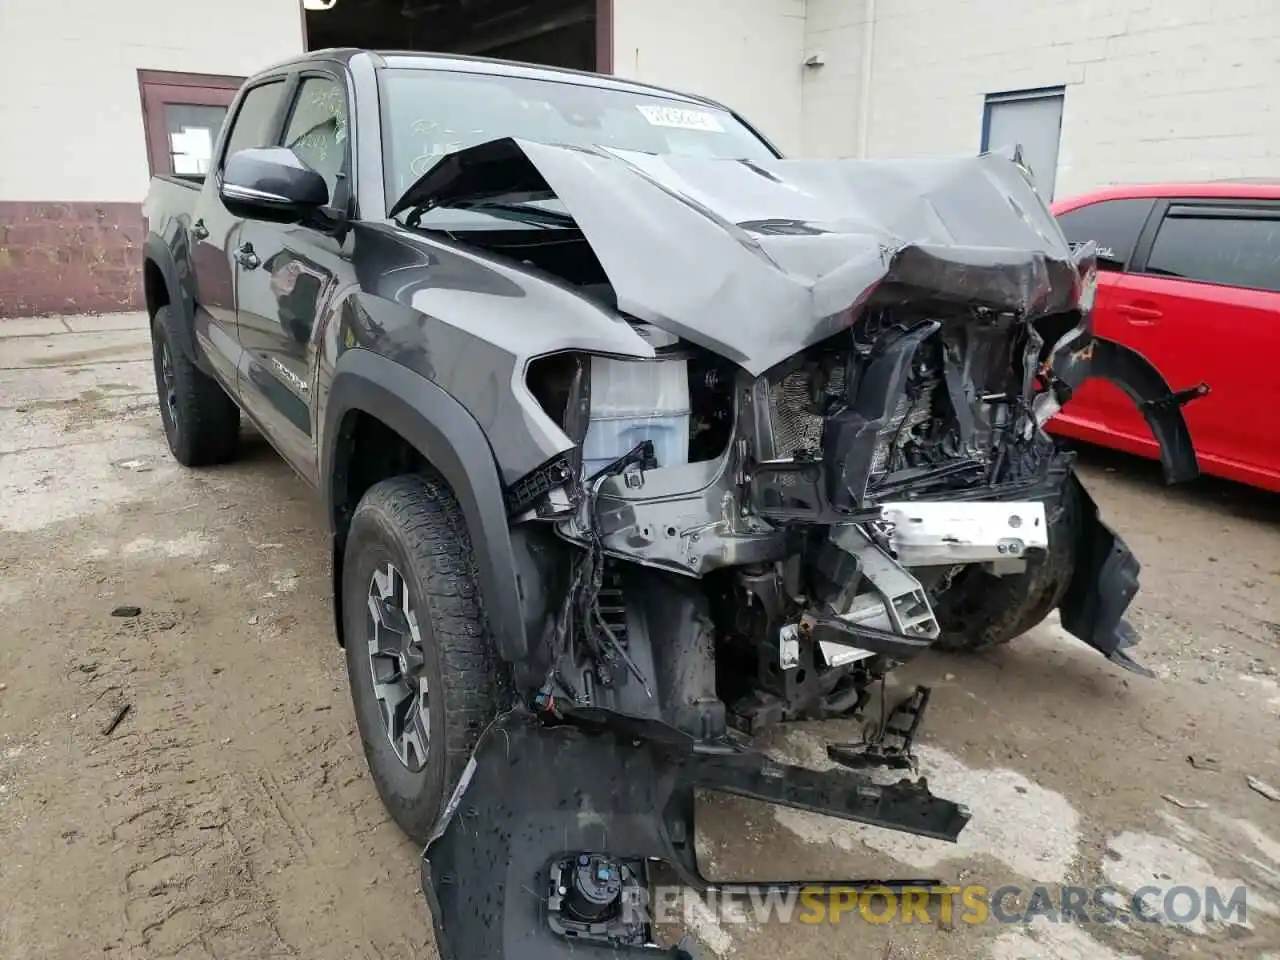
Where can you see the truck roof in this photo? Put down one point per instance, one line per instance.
(422, 60)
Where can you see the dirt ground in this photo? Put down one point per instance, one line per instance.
(229, 814)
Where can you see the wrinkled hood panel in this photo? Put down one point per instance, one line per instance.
(757, 260)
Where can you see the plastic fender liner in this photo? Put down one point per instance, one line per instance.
(1133, 373)
(1103, 584)
(449, 438)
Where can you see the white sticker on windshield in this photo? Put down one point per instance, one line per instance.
(682, 118)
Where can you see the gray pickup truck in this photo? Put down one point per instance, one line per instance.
(634, 437)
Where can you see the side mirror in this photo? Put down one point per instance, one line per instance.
(271, 183)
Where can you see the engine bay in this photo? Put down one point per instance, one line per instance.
(818, 511)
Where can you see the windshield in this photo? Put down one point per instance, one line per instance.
(428, 114)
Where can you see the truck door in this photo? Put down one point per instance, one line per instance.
(288, 274)
(214, 230)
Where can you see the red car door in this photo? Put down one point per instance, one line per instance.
(1099, 412)
(1203, 303)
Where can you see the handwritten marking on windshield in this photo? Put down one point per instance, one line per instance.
(681, 118)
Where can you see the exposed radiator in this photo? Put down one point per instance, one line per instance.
(796, 428)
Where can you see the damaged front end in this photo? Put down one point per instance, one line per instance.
(824, 454)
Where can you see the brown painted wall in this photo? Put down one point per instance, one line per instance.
(69, 257)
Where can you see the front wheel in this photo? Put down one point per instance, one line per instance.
(421, 662)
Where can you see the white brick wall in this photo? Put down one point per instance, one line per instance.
(745, 53)
(1155, 89)
(832, 93)
(71, 111)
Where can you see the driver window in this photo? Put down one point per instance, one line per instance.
(317, 128)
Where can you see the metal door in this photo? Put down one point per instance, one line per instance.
(1031, 120)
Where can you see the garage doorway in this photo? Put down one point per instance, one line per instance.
(560, 33)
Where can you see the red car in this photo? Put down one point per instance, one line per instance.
(1189, 276)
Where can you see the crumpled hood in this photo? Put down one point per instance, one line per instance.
(757, 260)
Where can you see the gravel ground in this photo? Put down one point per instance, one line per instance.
(229, 814)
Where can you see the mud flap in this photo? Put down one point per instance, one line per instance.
(536, 801)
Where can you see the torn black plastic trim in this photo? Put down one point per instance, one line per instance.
(536, 484)
(1103, 584)
(1080, 356)
(534, 795)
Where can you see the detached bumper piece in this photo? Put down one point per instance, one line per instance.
(1103, 584)
(545, 849)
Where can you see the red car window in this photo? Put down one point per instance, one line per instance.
(1237, 250)
(1113, 225)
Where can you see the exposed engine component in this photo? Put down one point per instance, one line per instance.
(914, 410)
(634, 401)
(601, 899)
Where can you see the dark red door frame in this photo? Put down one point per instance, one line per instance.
(604, 36)
(157, 87)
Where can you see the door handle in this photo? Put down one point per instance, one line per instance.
(246, 257)
(1138, 312)
(199, 230)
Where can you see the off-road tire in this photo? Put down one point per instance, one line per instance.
(201, 423)
(415, 523)
(979, 610)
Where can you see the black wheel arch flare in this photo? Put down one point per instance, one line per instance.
(453, 443)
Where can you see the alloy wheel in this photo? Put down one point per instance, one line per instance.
(170, 390)
(397, 665)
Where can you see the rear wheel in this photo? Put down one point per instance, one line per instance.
(424, 676)
(201, 423)
(980, 610)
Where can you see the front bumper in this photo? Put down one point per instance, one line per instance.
(535, 795)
